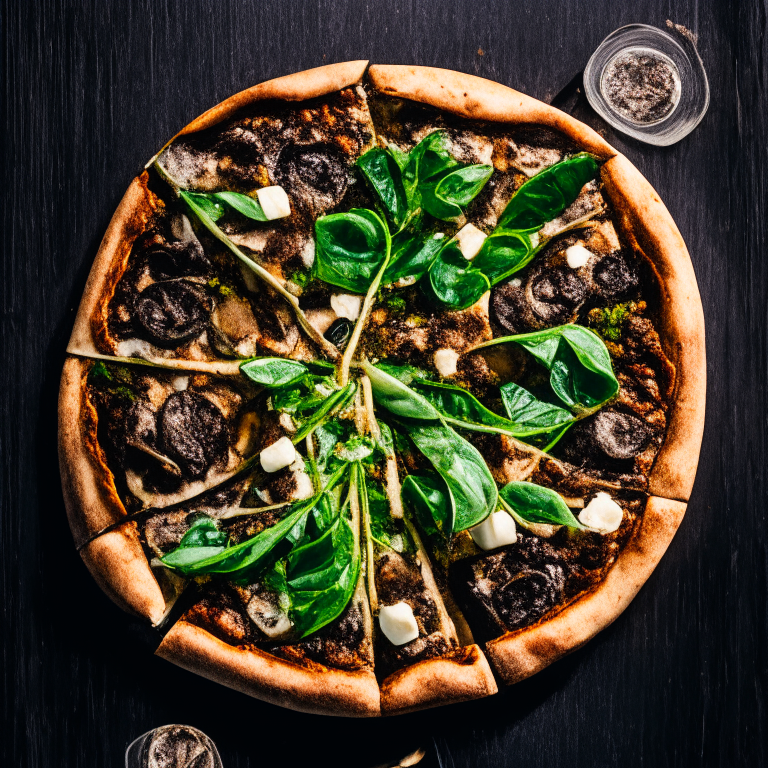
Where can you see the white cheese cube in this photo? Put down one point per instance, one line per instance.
(278, 455)
(346, 305)
(445, 362)
(577, 256)
(274, 202)
(602, 514)
(304, 488)
(398, 623)
(497, 530)
(470, 240)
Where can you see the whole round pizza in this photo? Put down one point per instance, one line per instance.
(387, 386)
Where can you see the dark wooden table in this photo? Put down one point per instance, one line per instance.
(91, 90)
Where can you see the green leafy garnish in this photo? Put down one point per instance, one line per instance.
(215, 204)
(454, 281)
(546, 195)
(609, 321)
(581, 374)
(536, 504)
(274, 371)
(428, 497)
(472, 490)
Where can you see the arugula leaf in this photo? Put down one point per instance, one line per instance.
(350, 248)
(214, 204)
(383, 174)
(581, 373)
(454, 281)
(536, 504)
(412, 255)
(546, 195)
(503, 253)
(429, 499)
(273, 371)
(446, 198)
(472, 489)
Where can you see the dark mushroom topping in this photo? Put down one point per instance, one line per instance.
(528, 595)
(194, 432)
(557, 295)
(339, 332)
(614, 276)
(178, 259)
(614, 434)
(314, 167)
(170, 313)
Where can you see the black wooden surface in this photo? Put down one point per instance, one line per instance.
(91, 90)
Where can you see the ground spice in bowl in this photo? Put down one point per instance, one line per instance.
(642, 85)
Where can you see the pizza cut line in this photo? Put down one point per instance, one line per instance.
(387, 383)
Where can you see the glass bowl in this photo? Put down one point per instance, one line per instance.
(694, 88)
(172, 746)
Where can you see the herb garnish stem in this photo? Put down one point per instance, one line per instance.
(370, 297)
(365, 513)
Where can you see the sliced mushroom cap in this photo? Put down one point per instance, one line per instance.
(314, 168)
(528, 595)
(556, 295)
(178, 259)
(509, 306)
(170, 313)
(193, 432)
(610, 433)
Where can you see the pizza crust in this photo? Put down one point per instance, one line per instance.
(647, 222)
(117, 562)
(317, 690)
(479, 99)
(90, 496)
(517, 655)
(462, 675)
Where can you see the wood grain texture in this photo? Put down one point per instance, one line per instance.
(91, 90)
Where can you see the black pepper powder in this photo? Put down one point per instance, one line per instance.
(641, 85)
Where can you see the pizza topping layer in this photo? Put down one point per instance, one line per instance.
(444, 362)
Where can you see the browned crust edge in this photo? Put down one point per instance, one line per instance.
(90, 496)
(259, 674)
(479, 99)
(462, 675)
(644, 218)
(517, 655)
(117, 562)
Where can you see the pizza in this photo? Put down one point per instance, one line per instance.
(386, 388)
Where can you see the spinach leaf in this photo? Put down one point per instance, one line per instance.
(333, 402)
(445, 199)
(536, 504)
(581, 373)
(428, 160)
(524, 408)
(273, 371)
(322, 573)
(245, 557)
(545, 196)
(383, 528)
(472, 489)
(215, 203)
(412, 255)
(454, 281)
(503, 253)
(350, 248)
(428, 497)
(383, 174)
(202, 540)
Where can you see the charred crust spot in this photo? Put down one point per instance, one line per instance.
(193, 432)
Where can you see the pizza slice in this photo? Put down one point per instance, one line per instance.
(205, 258)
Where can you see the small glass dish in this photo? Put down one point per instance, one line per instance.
(693, 100)
(172, 746)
